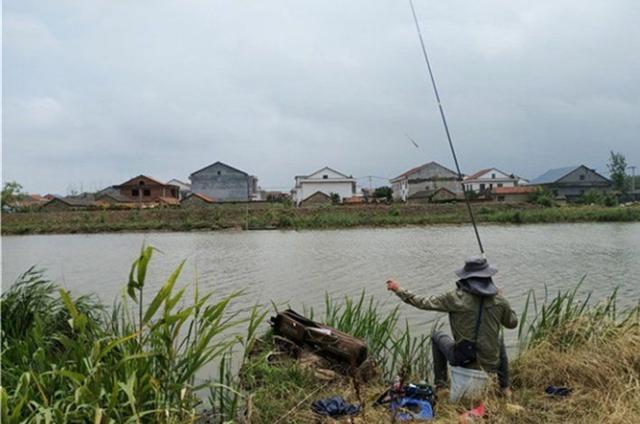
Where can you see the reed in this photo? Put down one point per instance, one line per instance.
(68, 359)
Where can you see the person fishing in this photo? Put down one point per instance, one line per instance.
(477, 311)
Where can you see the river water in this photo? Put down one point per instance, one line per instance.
(298, 267)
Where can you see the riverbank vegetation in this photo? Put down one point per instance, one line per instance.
(71, 359)
(278, 216)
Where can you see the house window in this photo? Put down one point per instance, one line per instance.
(482, 187)
(219, 173)
(173, 192)
(493, 176)
(141, 183)
(581, 177)
(499, 184)
(135, 192)
(325, 177)
(500, 198)
(146, 192)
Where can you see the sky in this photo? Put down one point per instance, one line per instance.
(96, 92)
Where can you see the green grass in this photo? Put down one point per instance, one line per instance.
(265, 216)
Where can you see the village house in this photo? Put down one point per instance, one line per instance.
(196, 200)
(224, 183)
(425, 180)
(326, 181)
(439, 195)
(316, 199)
(185, 188)
(30, 201)
(111, 198)
(572, 182)
(143, 189)
(57, 204)
(517, 194)
(485, 180)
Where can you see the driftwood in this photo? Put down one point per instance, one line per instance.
(326, 341)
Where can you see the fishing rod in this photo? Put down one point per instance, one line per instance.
(446, 127)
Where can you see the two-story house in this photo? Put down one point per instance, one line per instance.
(224, 183)
(423, 180)
(326, 181)
(572, 182)
(487, 179)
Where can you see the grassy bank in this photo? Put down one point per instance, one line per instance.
(68, 359)
(276, 216)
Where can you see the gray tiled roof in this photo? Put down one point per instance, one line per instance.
(553, 175)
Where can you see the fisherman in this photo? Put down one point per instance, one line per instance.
(476, 308)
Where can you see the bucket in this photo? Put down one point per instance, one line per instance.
(466, 382)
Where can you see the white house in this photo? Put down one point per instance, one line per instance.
(325, 180)
(185, 188)
(490, 178)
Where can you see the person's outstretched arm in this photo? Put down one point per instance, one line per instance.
(441, 303)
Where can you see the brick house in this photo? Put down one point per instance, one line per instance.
(143, 189)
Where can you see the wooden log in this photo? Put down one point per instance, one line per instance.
(325, 340)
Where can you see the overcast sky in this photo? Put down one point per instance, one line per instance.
(96, 92)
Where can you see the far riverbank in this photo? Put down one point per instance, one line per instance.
(277, 216)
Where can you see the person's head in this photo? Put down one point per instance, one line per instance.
(475, 277)
(476, 267)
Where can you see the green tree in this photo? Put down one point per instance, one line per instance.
(618, 171)
(542, 196)
(384, 192)
(335, 198)
(11, 192)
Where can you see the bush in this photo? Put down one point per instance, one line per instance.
(543, 197)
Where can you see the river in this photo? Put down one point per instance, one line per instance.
(299, 267)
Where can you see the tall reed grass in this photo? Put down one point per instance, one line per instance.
(68, 359)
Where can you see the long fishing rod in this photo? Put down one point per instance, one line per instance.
(446, 127)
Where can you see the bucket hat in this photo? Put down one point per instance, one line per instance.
(476, 266)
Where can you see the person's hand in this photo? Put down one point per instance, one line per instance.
(393, 285)
(500, 291)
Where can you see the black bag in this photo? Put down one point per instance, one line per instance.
(464, 352)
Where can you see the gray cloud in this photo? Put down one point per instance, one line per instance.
(95, 92)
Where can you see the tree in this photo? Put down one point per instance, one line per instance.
(618, 171)
(11, 192)
(384, 192)
(335, 198)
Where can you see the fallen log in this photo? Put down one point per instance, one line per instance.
(324, 340)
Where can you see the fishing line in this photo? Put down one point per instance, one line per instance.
(446, 127)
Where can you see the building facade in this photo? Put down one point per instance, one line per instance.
(143, 189)
(572, 182)
(325, 180)
(224, 183)
(425, 178)
(490, 178)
